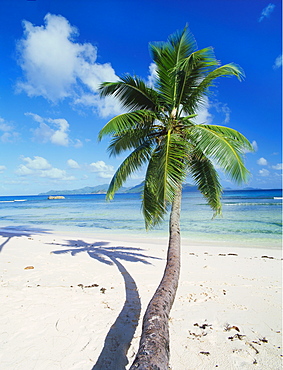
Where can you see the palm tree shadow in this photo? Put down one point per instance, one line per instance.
(10, 232)
(120, 335)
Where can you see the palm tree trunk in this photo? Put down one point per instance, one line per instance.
(153, 352)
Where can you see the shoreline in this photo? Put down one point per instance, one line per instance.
(154, 236)
(74, 301)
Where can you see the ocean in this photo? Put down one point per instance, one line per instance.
(250, 217)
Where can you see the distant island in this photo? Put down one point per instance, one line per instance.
(102, 189)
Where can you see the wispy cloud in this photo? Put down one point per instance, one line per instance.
(266, 12)
(254, 145)
(55, 131)
(278, 166)
(102, 169)
(264, 172)
(56, 67)
(2, 169)
(262, 161)
(7, 132)
(73, 164)
(152, 74)
(278, 62)
(40, 167)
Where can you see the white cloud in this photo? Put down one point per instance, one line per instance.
(2, 169)
(102, 169)
(60, 136)
(254, 145)
(72, 164)
(278, 62)
(24, 170)
(104, 107)
(40, 167)
(4, 126)
(56, 132)
(266, 12)
(264, 172)
(278, 166)
(223, 109)
(38, 163)
(56, 67)
(8, 135)
(56, 174)
(152, 74)
(78, 143)
(203, 115)
(262, 161)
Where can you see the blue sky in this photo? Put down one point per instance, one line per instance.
(54, 54)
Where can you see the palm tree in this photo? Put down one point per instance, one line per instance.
(160, 131)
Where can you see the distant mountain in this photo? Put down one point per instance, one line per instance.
(135, 189)
(99, 189)
(102, 189)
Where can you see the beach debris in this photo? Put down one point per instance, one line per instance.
(263, 340)
(224, 291)
(200, 333)
(205, 353)
(221, 254)
(29, 268)
(232, 254)
(91, 286)
(253, 347)
(272, 258)
(227, 327)
(88, 286)
(237, 336)
(203, 326)
(195, 335)
(103, 290)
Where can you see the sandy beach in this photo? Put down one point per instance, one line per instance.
(74, 302)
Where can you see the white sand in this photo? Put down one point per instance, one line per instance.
(227, 312)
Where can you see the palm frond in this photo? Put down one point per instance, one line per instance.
(128, 140)
(153, 209)
(166, 56)
(224, 145)
(191, 100)
(166, 172)
(190, 71)
(127, 121)
(131, 164)
(132, 92)
(206, 177)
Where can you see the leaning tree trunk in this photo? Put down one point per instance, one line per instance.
(153, 352)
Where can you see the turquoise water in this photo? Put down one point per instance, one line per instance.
(252, 216)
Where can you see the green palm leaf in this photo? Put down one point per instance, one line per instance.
(166, 56)
(130, 165)
(206, 177)
(226, 147)
(191, 101)
(132, 92)
(166, 171)
(127, 121)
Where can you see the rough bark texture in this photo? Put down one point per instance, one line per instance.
(153, 352)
